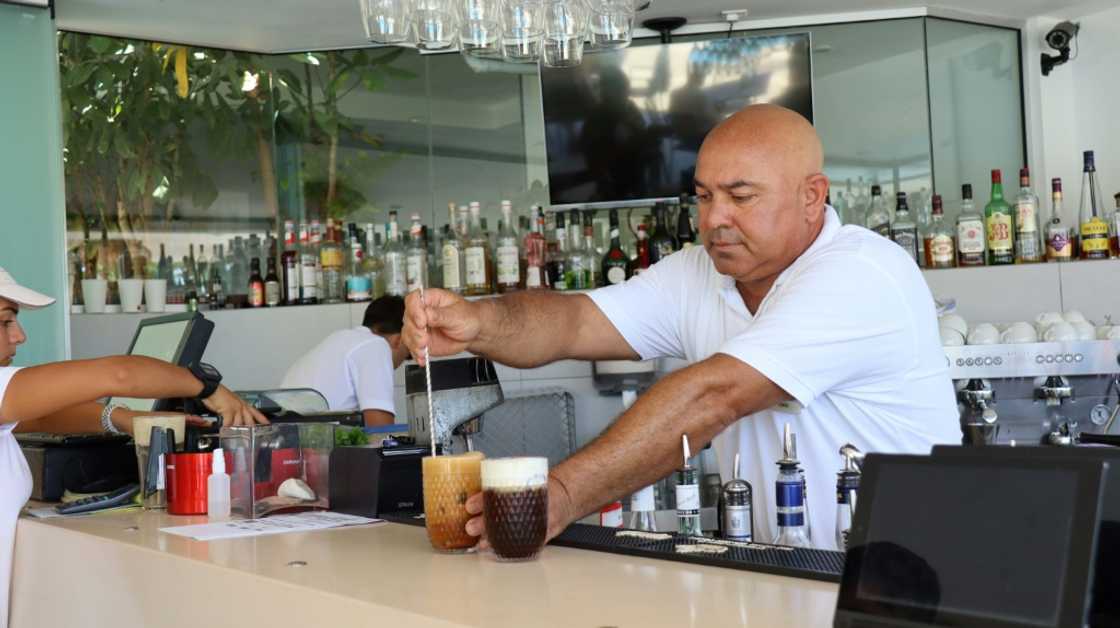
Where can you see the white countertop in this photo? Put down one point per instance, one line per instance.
(120, 570)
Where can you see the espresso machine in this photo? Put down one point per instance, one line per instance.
(387, 482)
(1044, 393)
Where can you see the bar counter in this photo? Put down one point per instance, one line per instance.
(119, 570)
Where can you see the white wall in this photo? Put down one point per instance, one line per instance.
(1074, 109)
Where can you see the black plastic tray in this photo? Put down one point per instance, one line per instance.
(814, 564)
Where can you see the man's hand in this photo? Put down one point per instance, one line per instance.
(233, 409)
(446, 326)
(559, 514)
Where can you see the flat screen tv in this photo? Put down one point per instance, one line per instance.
(625, 126)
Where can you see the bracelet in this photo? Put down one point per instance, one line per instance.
(107, 418)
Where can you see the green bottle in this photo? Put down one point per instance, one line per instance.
(1000, 225)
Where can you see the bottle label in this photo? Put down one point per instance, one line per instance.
(509, 266)
(291, 283)
(999, 234)
(662, 249)
(533, 277)
(272, 292)
(883, 229)
(970, 236)
(1094, 239)
(908, 240)
(331, 257)
(256, 294)
(686, 245)
(358, 288)
(476, 266)
(791, 503)
(1059, 247)
(688, 497)
(416, 271)
(1025, 212)
(396, 283)
(737, 523)
(616, 275)
(309, 278)
(642, 501)
(941, 250)
(451, 279)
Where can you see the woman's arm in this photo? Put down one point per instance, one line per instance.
(40, 391)
(86, 418)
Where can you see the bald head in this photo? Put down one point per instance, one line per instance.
(782, 134)
(761, 192)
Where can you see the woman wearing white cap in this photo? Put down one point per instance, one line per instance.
(62, 397)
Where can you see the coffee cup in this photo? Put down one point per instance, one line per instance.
(1060, 332)
(951, 337)
(955, 321)
(1019, 332)
(1073, 316)
(1084, 330)
(448, 482)
(983, 334)
(1046, 319)
(515, 506)
(132, 295)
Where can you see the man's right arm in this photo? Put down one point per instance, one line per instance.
(523, 330)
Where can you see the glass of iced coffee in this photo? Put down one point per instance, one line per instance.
(448, 482)
(515, 506)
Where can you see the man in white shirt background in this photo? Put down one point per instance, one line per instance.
(353, 368)
(784, 315)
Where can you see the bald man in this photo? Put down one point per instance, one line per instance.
(785, 316)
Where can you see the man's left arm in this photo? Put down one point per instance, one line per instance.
(85, 418)
(644, 444)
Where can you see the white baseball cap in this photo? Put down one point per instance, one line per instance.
(24, 297)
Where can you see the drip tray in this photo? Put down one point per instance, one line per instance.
(814, 564)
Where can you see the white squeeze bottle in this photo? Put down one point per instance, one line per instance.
(217, 489)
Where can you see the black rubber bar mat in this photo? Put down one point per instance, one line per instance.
(814, 564)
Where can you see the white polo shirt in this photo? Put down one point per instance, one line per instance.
(849, 330)
(352, 368)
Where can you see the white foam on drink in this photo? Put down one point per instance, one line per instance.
(514, 473)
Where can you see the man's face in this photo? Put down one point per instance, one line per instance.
(11, 334)
(752, 216)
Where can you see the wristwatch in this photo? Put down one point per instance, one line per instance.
(208, 375)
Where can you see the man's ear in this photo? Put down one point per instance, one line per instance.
(815, 193)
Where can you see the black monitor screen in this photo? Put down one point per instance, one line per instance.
(626, 125)
(991, 543)
(177, 338)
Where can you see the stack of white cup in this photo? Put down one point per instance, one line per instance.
(1047, 327)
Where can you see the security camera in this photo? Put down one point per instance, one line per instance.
(1059, 38)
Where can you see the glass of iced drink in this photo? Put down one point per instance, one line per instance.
(515, 496)
(448, 482)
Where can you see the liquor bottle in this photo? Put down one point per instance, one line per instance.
(416, 256)
(558, 258)
(1094, 229)
(331, 260)
(1114, 225)
(685, 237)
(591, 250)
(476, 255)
(451, 253)
(857, 203)
(1028, 244)
(374, 261)
(272, 285)
(941, 250)
(642, 510)
(576, 276)
(971, 243)
(202, 270)
(359, 286)
(790, 495)
(842, 207)
(688, 495)
(163, 271)
(192, 266)
(290, 265)
(661, 244)
(256, 284)
(1059, 241)
(847, 489)
(507, 253)
(308, 267)
(878, 218)
(903, 230)
(616, 264)
(217, 290)
(396, 276)
(536, 277)
(736, 508)
(641, 261)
